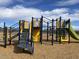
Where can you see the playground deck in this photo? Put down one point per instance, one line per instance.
(44, 51)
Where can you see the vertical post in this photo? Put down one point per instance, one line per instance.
(5, 35)
(41, 25)
(69, 34)
(10, 34)
(64, 30)
(52, 31)
(60, 31)
(47, 31)
(19, 31)
(56, 32)
(28, 33)
(23, 24)
(32, 32)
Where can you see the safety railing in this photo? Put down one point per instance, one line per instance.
(13, 32)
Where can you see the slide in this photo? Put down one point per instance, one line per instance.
(73, 33)
(36, 34)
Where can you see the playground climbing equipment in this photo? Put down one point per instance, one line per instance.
(27, 32)
(48, 27)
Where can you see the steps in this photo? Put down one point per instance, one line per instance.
(25, 43)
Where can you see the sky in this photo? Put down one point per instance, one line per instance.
(11, 11)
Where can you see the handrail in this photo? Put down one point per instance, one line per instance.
(14, 29)
(14, 24)
(47, 18)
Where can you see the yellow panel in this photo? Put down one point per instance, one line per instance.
(26, 24)
(36, 23)
(62, 23)
(57, 24)
(64, 39)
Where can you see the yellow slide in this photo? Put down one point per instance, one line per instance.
(36, 31)
(36, 34)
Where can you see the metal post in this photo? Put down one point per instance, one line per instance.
(47, 31)
(10, 33)
(56, 33)
(60, 31)
(5, 35)
(41, 25)
(23, 25)
(52, 31)
(69, 34)
(32, 32)
(19, 31)
(64, 30)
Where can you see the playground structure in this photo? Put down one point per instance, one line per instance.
(60, 28)
(30, 32)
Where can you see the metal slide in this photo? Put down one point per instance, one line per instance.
(73, 33)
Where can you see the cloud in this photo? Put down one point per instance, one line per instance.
(5, 2)
(67, 2)
(29, 2)
(57, 11)
(22, 13)
(75, 27)
(19, 12)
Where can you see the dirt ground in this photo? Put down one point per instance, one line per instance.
(44, 51)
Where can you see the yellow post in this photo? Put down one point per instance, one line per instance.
(21, 25)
